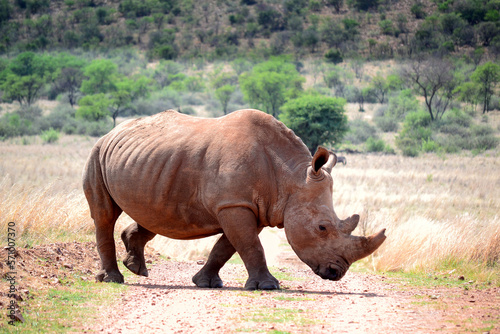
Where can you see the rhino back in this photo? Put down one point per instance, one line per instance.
(172, 173)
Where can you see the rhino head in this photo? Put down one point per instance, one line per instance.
(318, 237)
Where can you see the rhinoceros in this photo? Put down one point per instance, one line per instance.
(186, 177)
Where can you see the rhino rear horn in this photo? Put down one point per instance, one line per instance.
(348, 225)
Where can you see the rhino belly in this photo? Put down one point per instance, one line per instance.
(174, 220)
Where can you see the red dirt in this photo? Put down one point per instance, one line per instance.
(168, 302)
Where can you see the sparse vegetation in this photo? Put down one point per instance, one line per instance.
(423, 86)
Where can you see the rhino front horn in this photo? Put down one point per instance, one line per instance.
(369, 244)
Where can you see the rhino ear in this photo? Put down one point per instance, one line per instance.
(323, 158)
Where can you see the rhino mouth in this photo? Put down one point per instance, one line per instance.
(329, 272)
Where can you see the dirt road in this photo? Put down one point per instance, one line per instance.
(167, 302)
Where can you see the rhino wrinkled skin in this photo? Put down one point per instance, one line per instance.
(185, 177)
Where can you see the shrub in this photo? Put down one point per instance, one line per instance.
(360, 131)
(429, 145)
(334, 56)
(50, 136)
(386, 27)
(387, 123)
(418, 10)
(62, 115)
(408, 147)
(375, 145)
(483, 137)
(416, 129)
(365, 4)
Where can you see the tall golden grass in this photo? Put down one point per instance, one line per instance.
(40, 190)
(438, 211)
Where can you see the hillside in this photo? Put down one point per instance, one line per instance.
(171, 29)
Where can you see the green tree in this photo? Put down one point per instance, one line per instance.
(127, 90)
(26, 76)
(381, 86)
(316, 119)
(468, 92)
(69, 81)
(269, 84)
(102, 75)
(223, 94)
(93, 107)
(486, 77)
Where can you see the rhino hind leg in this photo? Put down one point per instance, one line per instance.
(135, 238)
(208, 276)
(105, 212)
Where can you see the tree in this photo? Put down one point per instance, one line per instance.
(101, 74)
(270, 84)
(434, 80)
(468, 92)
(381, 86)
(365, 5)
(69, 81)
(93, 107)
(25, 77)
(316, 119)
(336, 4)
(486, 77)
(223, 94)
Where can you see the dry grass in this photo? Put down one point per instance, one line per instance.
(439, 212)
(40, 190)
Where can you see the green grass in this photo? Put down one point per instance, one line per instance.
(443, 273)
(283, 275)
(283, 297)
(66, 308)
(281, 316)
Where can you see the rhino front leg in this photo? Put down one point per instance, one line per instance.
(135, 238)
(208, 276)
(241, 229)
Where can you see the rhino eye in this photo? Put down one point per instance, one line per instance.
(322, 227)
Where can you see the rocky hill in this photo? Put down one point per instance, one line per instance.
(223, 29)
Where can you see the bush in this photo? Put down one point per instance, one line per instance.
(386, 27)
(57, 119)
(365, 4)
(416, 129)
(50, 136)
(334, 56)
(418, 10)
(408, 147)
(429, 146)
(12, 125)
(375, 145)
(483, 137)
(387, 123)
(360, 131)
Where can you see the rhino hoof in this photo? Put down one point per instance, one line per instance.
(207, 282)
(265, 285)
(137, 267)
(113, 276)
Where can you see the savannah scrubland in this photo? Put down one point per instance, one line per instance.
(441, 212)
(433, 183)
